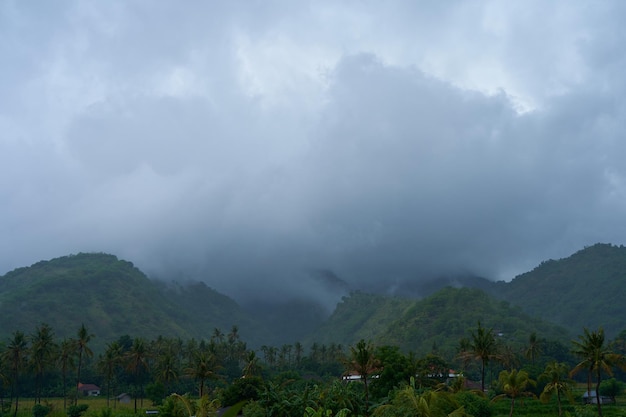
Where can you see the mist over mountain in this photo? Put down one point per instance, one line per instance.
(249, 145)
(115, 298)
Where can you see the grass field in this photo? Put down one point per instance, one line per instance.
(97, 407)
(528, 408)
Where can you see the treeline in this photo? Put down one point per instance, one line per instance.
(290, 380)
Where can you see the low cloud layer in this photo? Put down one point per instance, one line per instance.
(253, 145)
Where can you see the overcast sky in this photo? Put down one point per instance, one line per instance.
(252, 143)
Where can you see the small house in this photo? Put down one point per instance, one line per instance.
(590, 398)
(89, 390)
(123, 398)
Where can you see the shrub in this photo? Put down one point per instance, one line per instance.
(474, 405)
(41, 410)
(76, 410)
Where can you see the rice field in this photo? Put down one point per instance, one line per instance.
(97, 407)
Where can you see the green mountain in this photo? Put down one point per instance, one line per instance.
(112, 298)
(584, 290)
(439, 320)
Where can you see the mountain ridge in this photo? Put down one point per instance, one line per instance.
(114, 298)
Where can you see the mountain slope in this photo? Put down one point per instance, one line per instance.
(440, 320)
(586, 289)
(112, 298)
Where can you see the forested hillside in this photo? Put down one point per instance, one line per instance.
(586, 289)
(436, 322)
(113, 298)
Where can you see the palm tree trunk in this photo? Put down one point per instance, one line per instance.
(367, 406)
(80, 360)
(482, 376)
(598, 399)
(17, 395)
(64, 390)
(512, 406)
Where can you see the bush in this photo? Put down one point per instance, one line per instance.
(41, 410)
(76, 410)
(254, 409)
(242, 389)
(474, 405)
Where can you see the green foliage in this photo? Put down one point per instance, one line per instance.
(40, 410)
(611, 388)
(359, 316)
(105, 412)
(322, 412)
(253, 409)
(155, 392)
(172, 407)
(76, 410)
(115, 298)
(440, 320)
(474, 405)
(514, 384)
(396, 370)
(409, 402)
(562, 290)
(581, 412)
(248, 389)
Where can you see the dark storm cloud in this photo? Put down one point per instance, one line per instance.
(243, 146)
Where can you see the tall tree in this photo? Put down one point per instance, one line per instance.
(251, 367)
(514, 384)
(555, 376)
(82, 350)
(595, 358)
(203, 367)
(533, 350)
(108, 364)
(136, 364)
(363, 361)
(483, 347)
(167, 364)
(299, 351)
(67, 352)
(42, 348)
(15, 356)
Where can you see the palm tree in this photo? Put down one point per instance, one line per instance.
(363, 362)
(408, 401)
(482, 347)
(217, 336)
(557, 383)
(83, 350)
(15, 356)
(596, 357)
(108, 364)
(204, 366)
(136, 363)
(252, 366)
(66, 361)
(168, 365)
(514, 384)
(534, 348)
(42, 352)
(299, 350)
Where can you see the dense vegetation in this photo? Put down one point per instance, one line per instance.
(583, 290)
(436, 322)
(114, 298)
(485, 377)
(504, 335)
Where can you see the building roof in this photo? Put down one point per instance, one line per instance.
(88, 387)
